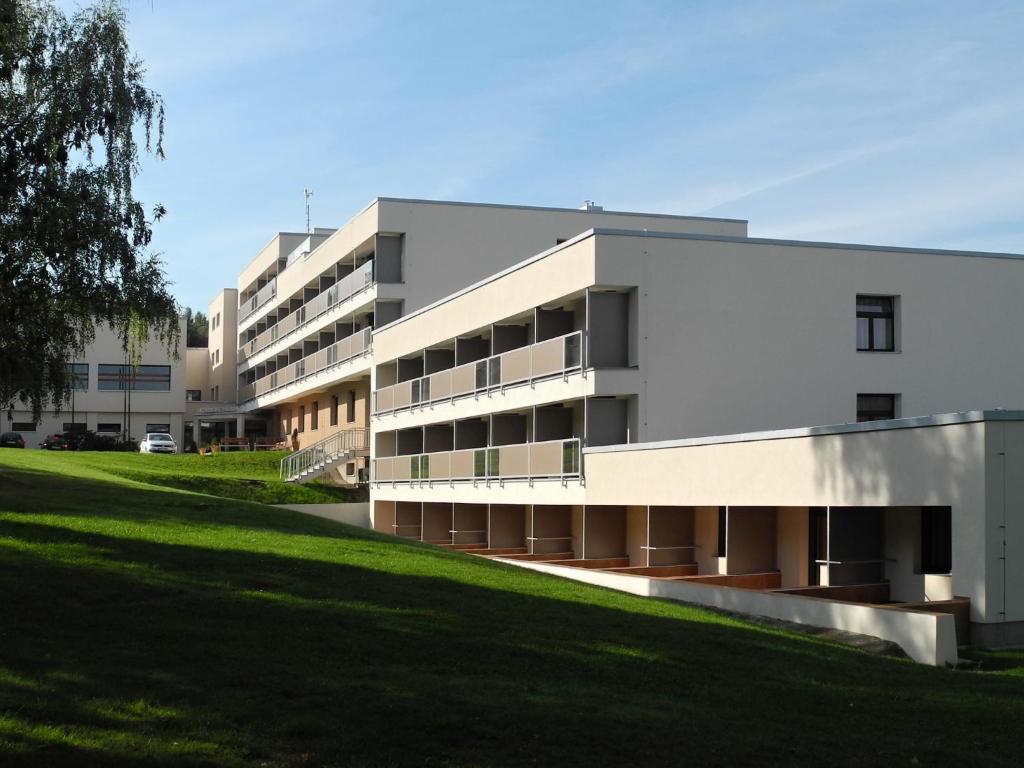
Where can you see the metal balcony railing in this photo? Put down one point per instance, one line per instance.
(550, 459)
(263, 295)
(346, 349)
(320, 455)
(557, 356)
(349, 286)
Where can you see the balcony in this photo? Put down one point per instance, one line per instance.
(553, 459)
(263, 295)
(349, 348)
(553, 357)
(346, 288)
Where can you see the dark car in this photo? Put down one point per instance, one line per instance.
(12, 440)
(57, 443)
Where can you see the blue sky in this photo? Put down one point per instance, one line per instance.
(874, 122)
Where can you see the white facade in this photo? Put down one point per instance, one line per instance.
(113, 397)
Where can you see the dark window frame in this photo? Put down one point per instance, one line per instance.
(314, 416)
(936, 540)
(302, 419)
(721, 545)
(875, 414)
(335, 407)
(24, 426)
(350, 407)
(78, 373)
(116, 428)
(870, 315)
(193, 395)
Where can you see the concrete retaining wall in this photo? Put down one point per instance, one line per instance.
(928, 638)
(356, 513)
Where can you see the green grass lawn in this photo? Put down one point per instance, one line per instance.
(249, 476)
(144, 625)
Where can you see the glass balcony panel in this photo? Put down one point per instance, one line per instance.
(573, 351)
(402, 468)
(494, 371)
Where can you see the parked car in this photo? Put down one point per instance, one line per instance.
(12, 440)
(57, 443)
(158, 442)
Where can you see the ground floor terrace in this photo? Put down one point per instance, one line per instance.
(910, 530)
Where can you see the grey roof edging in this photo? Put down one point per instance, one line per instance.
(936, 420)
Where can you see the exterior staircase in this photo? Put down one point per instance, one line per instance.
(317, 459)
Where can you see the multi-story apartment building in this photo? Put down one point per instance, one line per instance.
(308, 304)
(114, 393)
(508, 417)
(636, 400)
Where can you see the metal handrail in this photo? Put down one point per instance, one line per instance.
(486, 464)
(318, 454)
(262, 296)
(346, 288)
(487, 375)
(341, 351)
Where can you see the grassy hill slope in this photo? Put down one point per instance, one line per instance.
(144, 625)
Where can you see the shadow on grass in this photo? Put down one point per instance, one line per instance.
(123, 651)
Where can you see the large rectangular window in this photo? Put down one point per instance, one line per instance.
(873, 407)
(193, 395)
(158, 427)
(109, 427)
(144, 378)
(936, 540)
(78, 373)
(302, 418)
(314, 416)
(876, 324)
(351, 406)
(77, 426)
(24, 426)
(335, 405)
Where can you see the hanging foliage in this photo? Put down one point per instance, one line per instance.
(74, 242)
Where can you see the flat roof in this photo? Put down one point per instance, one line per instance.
(608, 232)
(915, 422)
(599, 210)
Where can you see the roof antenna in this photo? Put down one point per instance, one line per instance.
(308, 193)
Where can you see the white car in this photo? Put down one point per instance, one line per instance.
(158, 442)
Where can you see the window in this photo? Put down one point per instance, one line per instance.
(876, 407)
(217, 353)
(350, 406)
(216, 392)
(76, 426)
(193, 395)
(158, 427)
(302, 418)
(314, 417)
(146, 378)
(108, 427)
(24, 426)
(335, 405)
(876, 324)
(78, 373)
(936, 540)
(723, 517)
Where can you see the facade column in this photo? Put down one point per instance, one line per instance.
(240, 425)
(197, 430)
